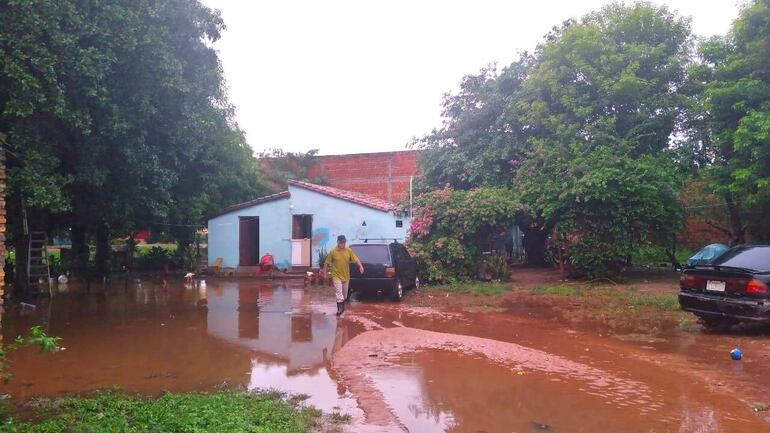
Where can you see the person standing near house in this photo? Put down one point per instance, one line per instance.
(340, 258)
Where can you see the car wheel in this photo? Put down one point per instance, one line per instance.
(398, 291)
(350, 293)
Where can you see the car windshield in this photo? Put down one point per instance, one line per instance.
(375, 254)
(755, 258)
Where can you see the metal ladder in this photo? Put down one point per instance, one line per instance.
(38, 265)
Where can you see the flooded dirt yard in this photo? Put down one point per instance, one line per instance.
(394, 367)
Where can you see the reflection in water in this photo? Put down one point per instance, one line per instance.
(278, 323)
(404, 390)
(167, 336)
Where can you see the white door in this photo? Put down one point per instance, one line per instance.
(300, 252)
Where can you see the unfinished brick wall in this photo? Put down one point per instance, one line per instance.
(383, 175)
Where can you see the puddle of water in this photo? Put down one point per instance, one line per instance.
(436, 391)
(384, 363)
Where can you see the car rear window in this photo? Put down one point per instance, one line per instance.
(756, 258)
(375, 254)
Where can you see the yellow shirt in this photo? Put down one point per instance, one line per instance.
(340, 261)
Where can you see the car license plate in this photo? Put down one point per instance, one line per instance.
(715, 286)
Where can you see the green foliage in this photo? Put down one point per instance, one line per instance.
(602, 113)
(117, 116)
(733, 131)
(156, 258)
(322, 253)
(36, 338)
(584, 128)
(278, 166)
(189, 259)
(480, 141)
(655, 255)
(223, 411)
(497, 266)
(451, 229)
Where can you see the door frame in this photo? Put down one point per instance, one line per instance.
(252, 225)
(306, 222)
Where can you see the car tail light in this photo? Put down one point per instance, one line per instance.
(390, 272)
(687, 281)
(756, 287)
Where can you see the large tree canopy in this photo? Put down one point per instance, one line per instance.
(734, 120)
(601, 106)
(582, 130)
(117, 115)
(480, 140)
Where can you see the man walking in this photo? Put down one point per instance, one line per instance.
(340, 258)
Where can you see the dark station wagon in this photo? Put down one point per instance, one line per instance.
(388, 269)
(732, 288)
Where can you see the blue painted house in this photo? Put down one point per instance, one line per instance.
(294, 225)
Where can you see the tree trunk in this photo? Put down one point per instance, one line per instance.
(736, 222)
(103, 249)
(80, 250)
(534, 244)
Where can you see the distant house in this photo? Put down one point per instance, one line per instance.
(294, 225)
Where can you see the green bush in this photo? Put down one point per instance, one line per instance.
(497, 266)
(451, 228)
(155, 258)
(655, 255)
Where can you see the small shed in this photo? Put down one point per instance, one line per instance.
(294, 225)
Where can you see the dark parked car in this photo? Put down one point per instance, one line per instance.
(730, 289)
(388, 268)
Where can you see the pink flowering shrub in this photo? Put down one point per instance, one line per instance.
(450, 229)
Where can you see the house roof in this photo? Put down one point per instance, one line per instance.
(271, 197)
(351, 196)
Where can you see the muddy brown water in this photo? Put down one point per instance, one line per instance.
(393, 367)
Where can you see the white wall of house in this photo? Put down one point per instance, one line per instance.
(274, 233)
(331, 217)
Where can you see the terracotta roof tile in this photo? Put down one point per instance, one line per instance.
(351, 196)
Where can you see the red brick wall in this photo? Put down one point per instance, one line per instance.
(384, 174)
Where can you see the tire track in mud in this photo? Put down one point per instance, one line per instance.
(379, 347)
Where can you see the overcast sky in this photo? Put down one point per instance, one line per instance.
(365, 76)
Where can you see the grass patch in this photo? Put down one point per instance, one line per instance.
(560, 290)
(687, 325)
(475, 288)
(219, 412)
(340, 418)
(660, 301)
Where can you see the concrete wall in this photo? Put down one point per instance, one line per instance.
(331, 217)
(274, 233)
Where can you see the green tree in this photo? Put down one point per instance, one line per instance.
(480, 141)
(278, 166)
(601, 106)
(732, 134)
(118, 117)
